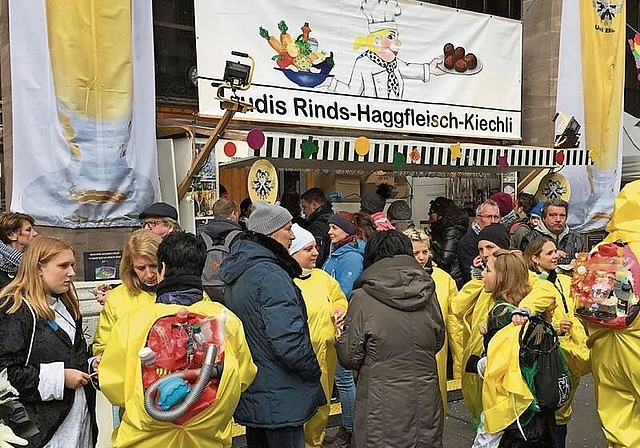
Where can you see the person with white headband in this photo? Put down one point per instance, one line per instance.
(326, 306)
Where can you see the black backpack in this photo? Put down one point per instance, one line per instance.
(217, 251)
(543, 365)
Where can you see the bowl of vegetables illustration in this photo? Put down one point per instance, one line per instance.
(299, 59)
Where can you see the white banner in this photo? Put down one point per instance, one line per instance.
(83, 104)
(367, 64)
(592, 189)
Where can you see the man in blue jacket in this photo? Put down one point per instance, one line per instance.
(258, 275)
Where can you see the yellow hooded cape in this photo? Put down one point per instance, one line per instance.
(505, 395)
(615, 354)
(574, 343)
(120, 377)
(445, 291)
(472, 305)
(321, 294)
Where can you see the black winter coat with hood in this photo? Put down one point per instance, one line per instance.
(393, 330)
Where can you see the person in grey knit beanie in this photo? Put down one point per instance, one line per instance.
(267, 219)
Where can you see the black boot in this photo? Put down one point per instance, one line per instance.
(341, 440)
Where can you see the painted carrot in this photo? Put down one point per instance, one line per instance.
(285, 38)
(275, 44)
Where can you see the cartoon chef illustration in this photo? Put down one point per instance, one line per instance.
(378, 72)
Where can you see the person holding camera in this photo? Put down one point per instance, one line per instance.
(43, 349)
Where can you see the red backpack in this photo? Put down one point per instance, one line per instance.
(174, 363)
(605, 285)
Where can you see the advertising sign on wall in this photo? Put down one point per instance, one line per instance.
(399, 66)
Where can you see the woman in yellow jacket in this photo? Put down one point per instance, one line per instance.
(139, 273)
(325, 303)
(542, 256)
(445, 290)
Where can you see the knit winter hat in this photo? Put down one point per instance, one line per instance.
(537, 210)
(374, 201)
(302, 239)
(267, 218)
(345, 220)
(399, 211)
(504, 201)
(497, 234)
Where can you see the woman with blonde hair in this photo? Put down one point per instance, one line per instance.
(139, 273)
(509, 417)
(43, 349)
(445, 291)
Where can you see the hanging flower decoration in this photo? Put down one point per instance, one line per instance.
(456, 152)
(362, 146)
(309, 147)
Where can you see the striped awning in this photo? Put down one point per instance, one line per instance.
(287, 150)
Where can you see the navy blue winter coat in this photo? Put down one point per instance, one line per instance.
(259, 289)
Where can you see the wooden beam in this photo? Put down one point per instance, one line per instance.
(230, 108)
(531, 175)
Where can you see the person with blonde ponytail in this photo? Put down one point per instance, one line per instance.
(43, 349)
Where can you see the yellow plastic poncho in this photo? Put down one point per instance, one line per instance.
(119, 302)
(615, 354)
(446, 290)
(120, 376)
(505, 395)
(321, 294)
(574, 343)
(472, 306)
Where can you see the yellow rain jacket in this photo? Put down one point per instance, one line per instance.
(615, 354)
(321, 294)
(505, 395)
(574, 343)
(446, 290)
(472, 306)
(119, 302)
(120, 376)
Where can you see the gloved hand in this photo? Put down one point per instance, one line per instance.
(8, 439)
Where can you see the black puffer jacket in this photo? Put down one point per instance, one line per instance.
(393, 330)
(317, 223)
(445, 238)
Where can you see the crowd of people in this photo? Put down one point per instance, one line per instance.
(276, 309)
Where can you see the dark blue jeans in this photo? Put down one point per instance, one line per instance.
(288, 437)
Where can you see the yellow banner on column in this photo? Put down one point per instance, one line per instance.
(603, 47)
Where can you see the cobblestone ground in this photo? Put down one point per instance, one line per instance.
(584, 429)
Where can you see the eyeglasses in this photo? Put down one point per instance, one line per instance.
(150, 224)
(491, 217)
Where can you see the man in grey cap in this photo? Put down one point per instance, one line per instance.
(258, 275)
(161, 218)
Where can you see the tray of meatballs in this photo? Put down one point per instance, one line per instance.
(457, 61)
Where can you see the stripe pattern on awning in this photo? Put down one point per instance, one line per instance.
(288, 146)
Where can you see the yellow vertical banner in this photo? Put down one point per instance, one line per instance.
(603, 52)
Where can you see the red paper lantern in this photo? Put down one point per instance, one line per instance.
(230, 149)
(559, 157)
